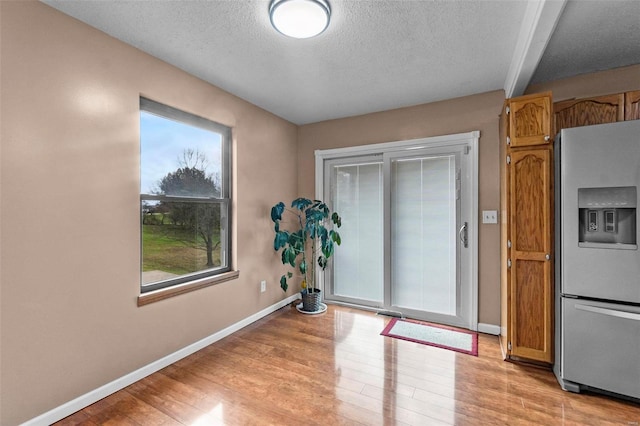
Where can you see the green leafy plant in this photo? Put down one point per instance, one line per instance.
(309, 242)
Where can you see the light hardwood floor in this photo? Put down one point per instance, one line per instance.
(335, 368)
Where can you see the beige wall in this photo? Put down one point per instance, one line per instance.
(70, 210)
(478, 112)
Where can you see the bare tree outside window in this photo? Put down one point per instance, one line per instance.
(200, 221)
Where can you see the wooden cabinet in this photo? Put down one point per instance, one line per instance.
(596, 110)
(529, 121)
(588, 111)
(527, 295)
(531, 220)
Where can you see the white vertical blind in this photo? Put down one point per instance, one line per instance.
(358, 263)
(423, 233)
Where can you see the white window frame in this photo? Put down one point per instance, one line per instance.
(225, 201)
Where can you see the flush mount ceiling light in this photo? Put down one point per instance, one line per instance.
(300, 18)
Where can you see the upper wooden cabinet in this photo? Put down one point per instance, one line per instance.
(530, 120)
(588, 111)
(632, 105)
(596, 110)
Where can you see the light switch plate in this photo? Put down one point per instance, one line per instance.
(489, 216)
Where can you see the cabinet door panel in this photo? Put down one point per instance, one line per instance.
(530, 120)
(531, 224)
(530, 195)
(632, 105)
(588, 111)
(531, 338)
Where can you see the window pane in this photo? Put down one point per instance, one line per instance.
(423, 209)
(179, 159)
(357, 266)
(180, 238)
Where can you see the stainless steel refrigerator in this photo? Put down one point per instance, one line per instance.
(597, 258)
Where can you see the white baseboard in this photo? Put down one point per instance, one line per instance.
(95, 395)
(489, 329)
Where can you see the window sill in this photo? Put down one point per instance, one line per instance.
(165, 293)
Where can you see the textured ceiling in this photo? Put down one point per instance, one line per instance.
(376, 54)
(592, 36)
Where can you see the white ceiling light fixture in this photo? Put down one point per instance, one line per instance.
(300, 18)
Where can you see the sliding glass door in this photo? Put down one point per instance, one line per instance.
(424, 218)
(405, 218)
(357, 194)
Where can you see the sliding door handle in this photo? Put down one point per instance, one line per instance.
(462, 234)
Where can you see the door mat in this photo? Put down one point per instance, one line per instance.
(454, 339)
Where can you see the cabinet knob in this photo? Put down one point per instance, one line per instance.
(548, 257)
(547, 137)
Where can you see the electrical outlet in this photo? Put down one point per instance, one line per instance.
(489, 216)
(263, 286)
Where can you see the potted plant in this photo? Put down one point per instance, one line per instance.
(307, 244)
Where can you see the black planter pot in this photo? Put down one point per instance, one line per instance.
(311, 300)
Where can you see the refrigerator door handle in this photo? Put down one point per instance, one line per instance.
(611, 312)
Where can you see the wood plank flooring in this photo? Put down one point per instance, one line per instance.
(336, 369)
